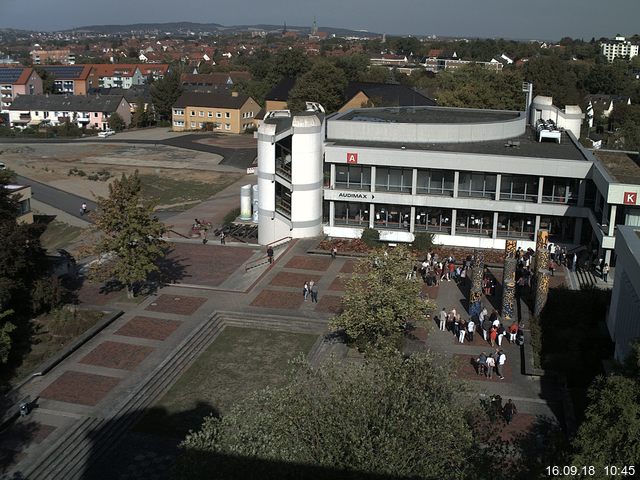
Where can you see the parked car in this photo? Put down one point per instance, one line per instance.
(106, 133)
(2, 166)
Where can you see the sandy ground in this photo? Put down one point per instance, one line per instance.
(50, 163)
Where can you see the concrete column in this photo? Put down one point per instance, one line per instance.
(412, 221)
(605, 213)
(540, 188)
(494, 235)
(612, 221)
(373, 179)
(453, 221)
(536, 227)
(577, 232)
(582, 190)
(456, 181)
(332, 180)
(414, 184)
(371, 213)
(607, 257)
(332, 211)
(498, 181)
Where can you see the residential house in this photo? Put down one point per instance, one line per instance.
(604, 104)
(61, 56)
(390, 60)
(22, 194)
(17, 81)
(365, 94)
(86, 111)
(132, 95)
(73, 79)
(127, 75)
(216, 111)
(451, 61)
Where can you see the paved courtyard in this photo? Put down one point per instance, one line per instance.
(103, 373)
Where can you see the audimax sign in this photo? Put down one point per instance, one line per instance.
(360, 196)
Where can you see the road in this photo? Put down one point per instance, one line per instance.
(67, 202)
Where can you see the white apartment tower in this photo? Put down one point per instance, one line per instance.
(619, 48)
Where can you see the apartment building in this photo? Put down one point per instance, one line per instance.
(22, 194)
(62, 56)
(122, 75)
(620, 47)
(231, 113)
(72, 79)
(86, 111)
(17, 81)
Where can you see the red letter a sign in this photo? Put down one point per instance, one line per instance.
(352, 158)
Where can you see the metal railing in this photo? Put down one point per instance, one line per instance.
(264, 260)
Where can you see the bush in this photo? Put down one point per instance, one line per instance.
(371, 237)
(46, 294)
(77, 171)
(423, 241)
(94, 177)
(231, 216)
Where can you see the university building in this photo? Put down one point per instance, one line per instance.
(471, 177)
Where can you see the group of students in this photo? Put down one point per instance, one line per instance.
(434, 269)
(490, 325)
(310, 289)
(486, 364)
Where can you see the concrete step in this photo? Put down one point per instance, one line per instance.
(268, 322)
(67, 458)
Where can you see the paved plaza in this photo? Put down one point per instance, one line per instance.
(108, 378)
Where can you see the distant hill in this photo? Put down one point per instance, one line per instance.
(184, 28)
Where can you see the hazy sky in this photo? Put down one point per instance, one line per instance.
(524, 19)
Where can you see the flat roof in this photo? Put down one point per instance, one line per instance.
(528, 147)
(623, 167)
(439, 115)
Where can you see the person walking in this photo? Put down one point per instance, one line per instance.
(223, 238)
(501, 333)
(482, 364)
(314, 293)
(463, 331)
(502, 358)
(509, 411)
(513, 332)
(83, 208)
(334, 252)
(471, 327)
(493, 334)
(270, 254)
(605, 272)
(491, 363)
(305, 291)
(443, 319)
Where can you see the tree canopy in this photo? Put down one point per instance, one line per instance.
(379, 300)
(390, 415)
(130, 244)
(165, 92)
(324, 83)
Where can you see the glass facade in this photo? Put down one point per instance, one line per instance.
(437, 220)
(435, 182)
(561, 229)
(351, 177)
(516, 225)
(392, 216)
(477, 184)
(560, 190)
(283, 200)
(472, 222)
(394, 179)
(519, 187)
(347, 213)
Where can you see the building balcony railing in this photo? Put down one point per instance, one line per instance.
(283, 168)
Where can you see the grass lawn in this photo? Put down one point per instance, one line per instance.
(168, 192)
(51, 333)
(238, 362)
(59, 235)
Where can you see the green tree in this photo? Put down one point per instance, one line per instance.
(354, 66)
(48, 80)
(6, 327)
(610, 433)
(390, 415)
(141, 116)
(116, 122)
(291, 62)
(551, 76)
(324, 83)
(165, 92)
(379, 301)
(130, 245)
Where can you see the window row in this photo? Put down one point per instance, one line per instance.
(440, 220)
(470, 184)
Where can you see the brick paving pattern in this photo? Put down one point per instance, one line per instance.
(206, 264)
(290, 279)
(95, 294)
(117, 355)
(329, 304)
(42, 431)
(349, 266)
(319, 264)
(176, 304)
(79, 387)
(520, 424)
(279, 299)
(338, 284)
(148, 327)
(464, 366)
